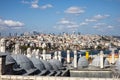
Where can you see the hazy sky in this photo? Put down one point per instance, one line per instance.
(85, 16)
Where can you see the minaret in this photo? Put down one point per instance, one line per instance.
(59, 56)
(29, 52)
(55, 55)
(75, 59)
(2, 44)
(68, 56)
(44, 54)
(113, 56)
(101, 59)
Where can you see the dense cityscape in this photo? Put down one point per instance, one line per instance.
(63, 41)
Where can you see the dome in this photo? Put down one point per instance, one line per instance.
(82, 62)
(96, 61)
(106, 63)
(47, 65)
(23, 61)
(38, 63)
(9, 59)
(56, 64)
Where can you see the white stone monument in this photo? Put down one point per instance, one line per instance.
(113, 56)
(55, 55)
(29, 52)
(2, 44)
(37, 54)
(75, 59)
(33, 52)
(119, 55)
(68, 56)
(101, 59)
(44, 45)
(17, 48)
(59, 56)
(44, 54)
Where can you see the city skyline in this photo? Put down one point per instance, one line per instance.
(56, 16)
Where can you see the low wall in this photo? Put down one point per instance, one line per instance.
(90, 74)
(14, 77)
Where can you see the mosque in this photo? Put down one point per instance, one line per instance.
(35, 64)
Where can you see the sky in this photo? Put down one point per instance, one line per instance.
(56, 16)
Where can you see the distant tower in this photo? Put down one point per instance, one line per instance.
(101, 59)
(2, 45)
(68, 56)
(10, 34)
(15, 34)
(75, 59)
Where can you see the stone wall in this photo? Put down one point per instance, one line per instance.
(14, 77)
(89, 74)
